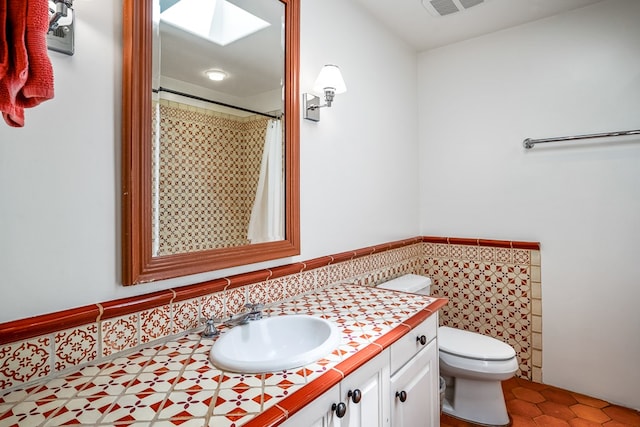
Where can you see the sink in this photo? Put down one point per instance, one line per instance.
(275, 344)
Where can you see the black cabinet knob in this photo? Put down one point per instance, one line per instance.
(402, 395)
(421, 339)
(340, 409)
(355, 395)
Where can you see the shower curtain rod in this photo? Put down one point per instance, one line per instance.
(175, 92)
(529, 143)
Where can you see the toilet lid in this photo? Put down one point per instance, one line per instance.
(472, 345)
(411, 283)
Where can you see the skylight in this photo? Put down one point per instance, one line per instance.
(216, 20)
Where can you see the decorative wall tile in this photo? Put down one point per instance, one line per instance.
(155, 323)
(489, 291)
(186, 315)
(119, 334)
(235, 300)
(25, 361)
(212, 305)
(75, 346)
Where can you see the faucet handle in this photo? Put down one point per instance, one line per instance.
(255, 310)
(210, 329)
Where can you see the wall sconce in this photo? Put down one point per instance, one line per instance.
(329, 82)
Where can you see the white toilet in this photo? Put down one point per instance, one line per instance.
(473, 365)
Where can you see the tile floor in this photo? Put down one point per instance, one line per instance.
(533, 404)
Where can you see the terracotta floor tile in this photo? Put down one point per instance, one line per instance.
(510, 384)
(559, 396)
(614, 423)
(589, 401)
(549, 421)
(589, 413)
(623, 415)
(523, 408)
(528, 394)
(531, 385)
(581, 422)
(556, 410)
(520, 421)
(531, 404)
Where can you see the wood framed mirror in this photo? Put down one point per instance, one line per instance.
(141, 260)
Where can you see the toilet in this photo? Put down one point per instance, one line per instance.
(472, 365)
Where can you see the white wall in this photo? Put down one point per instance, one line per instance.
(59, 175)
(575, 73)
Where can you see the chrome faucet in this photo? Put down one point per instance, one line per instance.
(210, 329)
(254, 313)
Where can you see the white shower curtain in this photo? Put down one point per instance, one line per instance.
(267, 216)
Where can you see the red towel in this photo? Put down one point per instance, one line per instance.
(18, 65)
(39, 84)
(28, 79)
(4, 45)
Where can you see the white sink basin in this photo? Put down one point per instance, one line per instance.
(275, 344)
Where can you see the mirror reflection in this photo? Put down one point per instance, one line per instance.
(217, 124)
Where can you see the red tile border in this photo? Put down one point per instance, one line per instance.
(534, 246)
(252, 277)
(343, 256)
(434, 239)
(200, 289)
(462, 241)
(393, 335)
(482, 242)
(269, 417)
(123, 306)
(355, 361)
(22, 329)
(308, 393)
(317, 263)
(364, 252)
(286, 270)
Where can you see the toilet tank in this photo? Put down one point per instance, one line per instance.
(412, 283)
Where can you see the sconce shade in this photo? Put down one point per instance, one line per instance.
(330, 77)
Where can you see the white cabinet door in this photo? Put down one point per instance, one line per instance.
(366, 394)
(369, 385)
(414, 391)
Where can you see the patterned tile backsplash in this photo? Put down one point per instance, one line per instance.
(492, 287)
(491, 290)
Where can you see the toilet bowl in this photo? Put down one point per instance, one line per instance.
(473, 365)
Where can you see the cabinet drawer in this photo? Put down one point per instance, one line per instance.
(407, 346)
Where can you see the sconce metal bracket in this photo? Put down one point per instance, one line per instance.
(60, 37)
(311, 106)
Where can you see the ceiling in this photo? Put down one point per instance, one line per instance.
(255, 64)
(411, 21)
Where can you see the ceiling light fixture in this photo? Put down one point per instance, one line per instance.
(216, 75)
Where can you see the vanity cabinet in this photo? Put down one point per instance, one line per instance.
(397, 388)
(360, 400)
(414, 383)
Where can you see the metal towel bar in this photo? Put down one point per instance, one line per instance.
(529, 143)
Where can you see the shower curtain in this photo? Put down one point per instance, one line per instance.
(267, 216)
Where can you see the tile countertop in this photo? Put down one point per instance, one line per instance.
(174, 383)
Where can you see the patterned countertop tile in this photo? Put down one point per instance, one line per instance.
(174, 383)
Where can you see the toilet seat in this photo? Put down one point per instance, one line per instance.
(472, 345)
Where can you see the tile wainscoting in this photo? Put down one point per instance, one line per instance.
(36, 348)
(493, 289)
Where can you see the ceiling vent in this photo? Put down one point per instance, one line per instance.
(447, 7)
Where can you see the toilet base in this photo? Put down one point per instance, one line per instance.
(476, 401)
